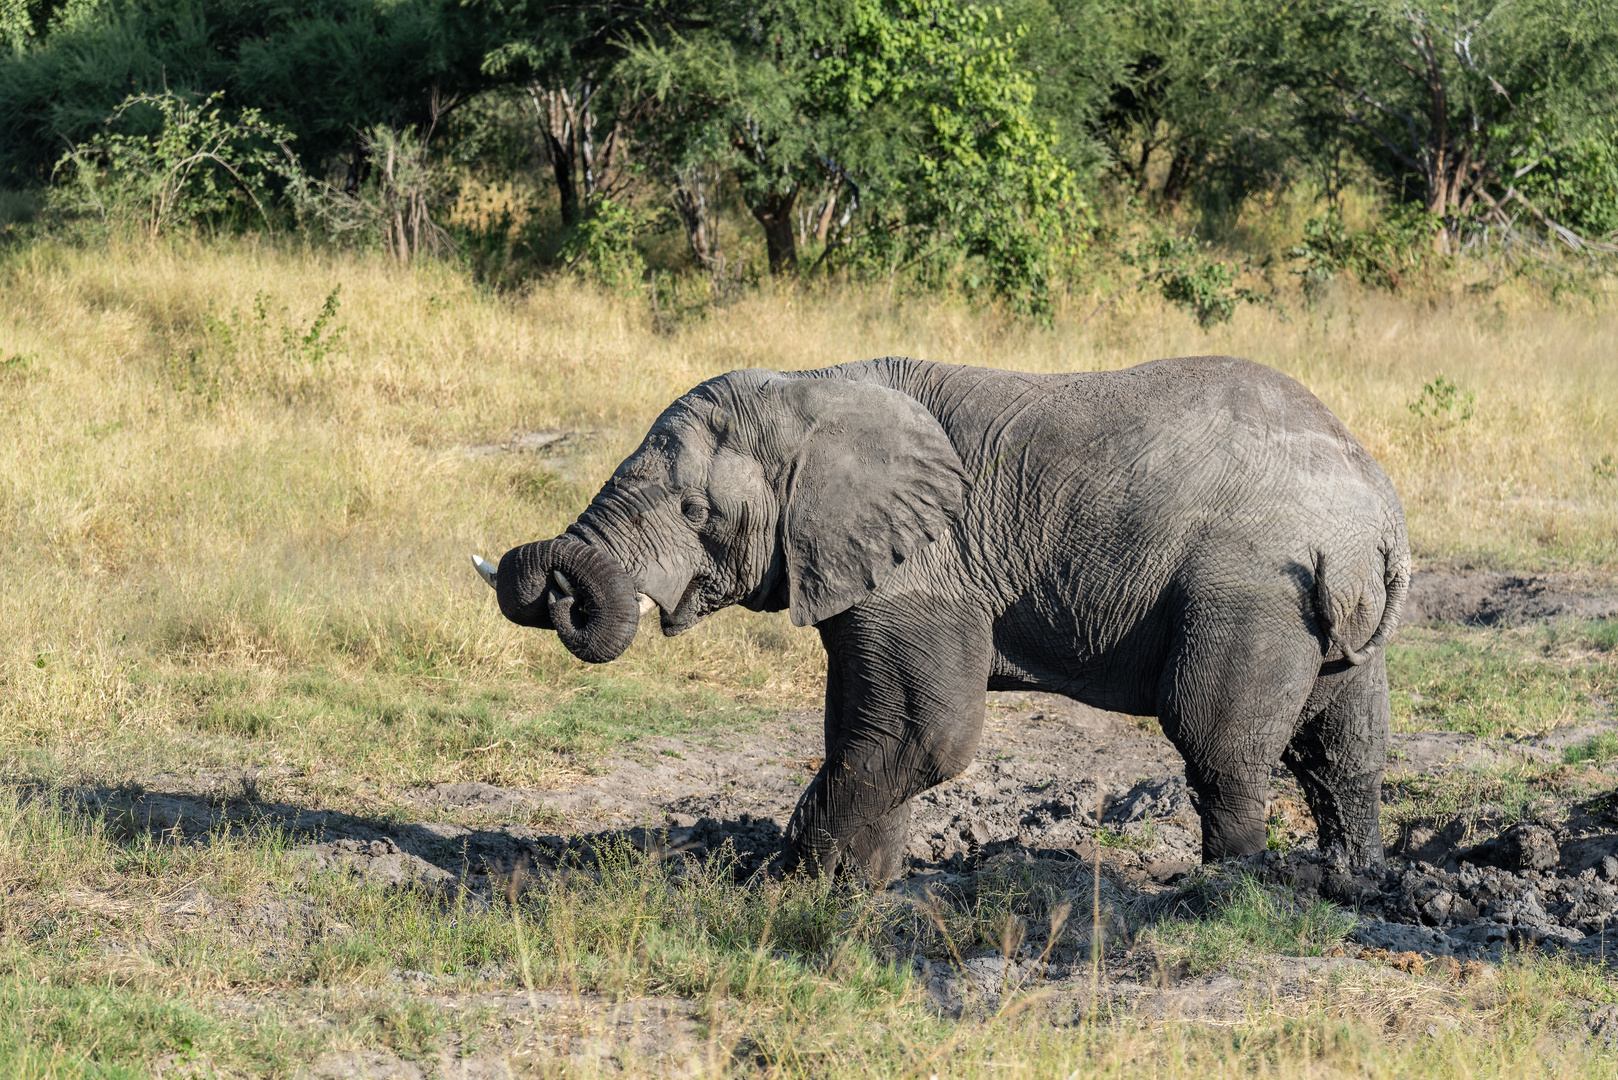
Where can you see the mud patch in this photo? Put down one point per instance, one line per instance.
(1491, 598)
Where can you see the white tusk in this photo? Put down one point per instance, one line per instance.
(646, 603)
(485, 569)
(563, 583)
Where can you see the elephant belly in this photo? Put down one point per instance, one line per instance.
(1114, 666)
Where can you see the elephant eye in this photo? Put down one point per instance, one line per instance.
(695, 509)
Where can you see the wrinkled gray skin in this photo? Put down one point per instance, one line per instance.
(1198, 540)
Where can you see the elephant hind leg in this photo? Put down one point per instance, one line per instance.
(1339, 753)
(1230, 703)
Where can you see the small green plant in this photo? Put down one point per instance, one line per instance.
(1381, 256)
(18, 365)
(1606, 468)
(313, 345)
(1129, 840)
(203, 370)
(1442, 405)
(1275, 837)
(603, 244)
(1204, 288)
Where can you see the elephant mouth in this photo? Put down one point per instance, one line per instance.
(687, 613)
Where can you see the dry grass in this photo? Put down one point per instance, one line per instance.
(195, 487)
(232, 545)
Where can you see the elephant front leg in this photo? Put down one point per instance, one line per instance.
(904, 712)
(875, 849)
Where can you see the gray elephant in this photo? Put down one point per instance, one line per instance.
(1198, 540)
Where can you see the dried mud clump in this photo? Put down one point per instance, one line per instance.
(1532, 885)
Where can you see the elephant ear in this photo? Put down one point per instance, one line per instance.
(875, 480)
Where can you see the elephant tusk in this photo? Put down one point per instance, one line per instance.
(562, 582)
(485, 569)
(646, 603)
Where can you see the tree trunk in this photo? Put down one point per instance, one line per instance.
(691, 198)
(774, 212)
(558, 115)
(823, 226)
(1178, 181)
(562, 164)
(1438, 155)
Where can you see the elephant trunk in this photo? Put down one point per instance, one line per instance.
(567, 586)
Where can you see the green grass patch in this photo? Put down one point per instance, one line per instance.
(1483, 799)
(1247, 919)
(114, 1032)
(1498, 683)
(406, 730)
(1596, 750)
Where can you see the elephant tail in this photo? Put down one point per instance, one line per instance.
(1396, 585)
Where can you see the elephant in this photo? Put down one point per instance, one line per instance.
(1195, 539)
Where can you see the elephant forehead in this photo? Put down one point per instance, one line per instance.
(668, 460)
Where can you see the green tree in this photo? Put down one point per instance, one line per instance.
(913, 116)
(197, 164)
(324, 69)
(1441, 97)
(1187, 90)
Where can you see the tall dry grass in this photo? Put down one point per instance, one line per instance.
(189, 483)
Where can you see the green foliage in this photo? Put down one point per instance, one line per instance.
(1442, 404)
(940, 143)
(1433, 96)
(1194, 87)
(982, 177)
(196, 166)
(319, 341)
(1574, 180)
(913, 113)
(1382, 255)
(245, 352)
(1205, 288)
(602, 245)
(322, 69)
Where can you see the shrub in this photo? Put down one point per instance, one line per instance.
(191, 163)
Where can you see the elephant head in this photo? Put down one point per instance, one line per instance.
(765, 489)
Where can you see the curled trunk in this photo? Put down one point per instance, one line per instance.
(574, 589)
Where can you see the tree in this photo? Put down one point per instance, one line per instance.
(1440, 99)
(565, 56)
(324, 69)
(913, 114)
(1186, 88)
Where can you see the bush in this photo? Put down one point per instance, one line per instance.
(1381, 256)
(197, 165)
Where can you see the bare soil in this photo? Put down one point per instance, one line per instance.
(1493, 598)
